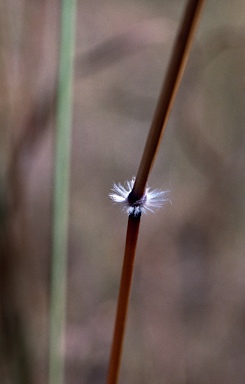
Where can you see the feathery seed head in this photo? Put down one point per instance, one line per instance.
(151, 199)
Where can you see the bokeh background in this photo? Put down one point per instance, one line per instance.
(186, 320)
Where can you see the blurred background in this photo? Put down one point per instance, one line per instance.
(186, 320)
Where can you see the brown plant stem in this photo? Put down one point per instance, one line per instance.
(174, 74)
(123, 300)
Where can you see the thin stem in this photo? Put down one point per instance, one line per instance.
(174, 74)
(180, 54)
(123, 300)
(61, 193)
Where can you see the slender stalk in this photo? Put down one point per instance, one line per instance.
(174, 74)
(61, 193)
(123, 300)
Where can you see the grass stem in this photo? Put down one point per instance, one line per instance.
(123, 300)
(61, 194)
(174, 74)
(181, 50)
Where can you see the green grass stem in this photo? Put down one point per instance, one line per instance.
(61, 193)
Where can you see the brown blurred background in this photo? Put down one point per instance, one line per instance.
(186, 321)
